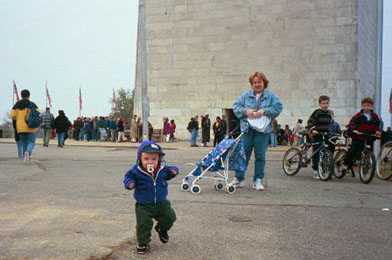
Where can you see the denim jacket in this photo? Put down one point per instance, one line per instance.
(270, 103)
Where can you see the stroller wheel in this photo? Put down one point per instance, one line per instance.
(219, 186)
(184, 186)
(195, 189)
(230, 189)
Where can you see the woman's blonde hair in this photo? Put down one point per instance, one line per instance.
(259, 75)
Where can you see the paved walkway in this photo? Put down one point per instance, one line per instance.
(70, 203)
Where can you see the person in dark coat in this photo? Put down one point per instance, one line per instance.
(205, 130)
(61, 124)
(216, 130)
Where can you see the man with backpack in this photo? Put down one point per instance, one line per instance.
(28, 119)
(47, 122)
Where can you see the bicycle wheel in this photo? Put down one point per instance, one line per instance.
(338, 164)
(367, 167)
(384, 161)
(292, 161)
(325, 164)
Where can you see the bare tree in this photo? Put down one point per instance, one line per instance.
(125, 104)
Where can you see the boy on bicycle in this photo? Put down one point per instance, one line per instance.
(318, 122)
(361, 126)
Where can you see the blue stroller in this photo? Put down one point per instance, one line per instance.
(216, 163)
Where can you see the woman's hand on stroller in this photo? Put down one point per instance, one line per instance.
(174, 171)
(131, 185)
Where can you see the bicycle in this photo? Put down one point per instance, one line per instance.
(295, 158)
(343, 143)
(384, 161)
(366, 162)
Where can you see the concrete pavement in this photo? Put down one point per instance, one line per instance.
(70, 204)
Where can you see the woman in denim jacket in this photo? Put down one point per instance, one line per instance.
(251, 104)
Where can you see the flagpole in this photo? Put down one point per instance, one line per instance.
(79, 100)
(13, 94)
(46, 94)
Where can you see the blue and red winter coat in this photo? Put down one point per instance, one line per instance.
(147, 189)
(360, 123)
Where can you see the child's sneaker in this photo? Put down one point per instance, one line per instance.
(27, 156)
(316, 175)
(237, 183)
(142, 249)
(257, 185)
(163, 236)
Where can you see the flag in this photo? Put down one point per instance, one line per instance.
(48, 97)
(115, 101)
(390, 102)
(80, 99)
(16, 92)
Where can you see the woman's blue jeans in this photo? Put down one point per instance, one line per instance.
(193, 137)
(60, 138)
(259, 142)
(19, 144)
(28, 141)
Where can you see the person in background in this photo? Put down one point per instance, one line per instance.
(273, 139)
(79, 125)
(194, 129)
(216, 130)
(47, 121)
(298, 128)
(386, 135)
(139, 130)
(94, 129)
(134, 134)
(205, 130)
(150, 131)
(120, 127)
(166, 129)
(19, 113)
(61, 124)
(173, 127)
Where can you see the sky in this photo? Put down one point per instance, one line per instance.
(89, 44)
(69, 43)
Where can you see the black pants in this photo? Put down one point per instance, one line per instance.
(316, 156)
(355, 150)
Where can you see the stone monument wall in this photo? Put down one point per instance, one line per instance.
(200, 54)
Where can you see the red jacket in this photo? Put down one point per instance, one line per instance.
(360, 123)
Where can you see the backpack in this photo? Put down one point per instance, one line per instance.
(33, 117)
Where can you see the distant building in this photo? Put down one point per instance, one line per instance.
(201, 53)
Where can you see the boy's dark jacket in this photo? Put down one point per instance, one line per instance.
(320, 120)
(360, 123)
(148, 190)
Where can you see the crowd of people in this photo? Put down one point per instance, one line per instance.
(219, 129)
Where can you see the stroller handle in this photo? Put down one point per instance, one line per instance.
(234, 130)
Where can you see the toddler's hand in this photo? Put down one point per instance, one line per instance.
(174, 171)
(131, 185)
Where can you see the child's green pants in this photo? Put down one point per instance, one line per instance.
(145, 213)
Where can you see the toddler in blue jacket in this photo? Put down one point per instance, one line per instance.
(149, 179)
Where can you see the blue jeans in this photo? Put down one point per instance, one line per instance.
(19, 144)
(193, 137)
(258, 141)
(28, 142)
(273, 139)
(60, 138)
